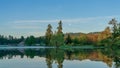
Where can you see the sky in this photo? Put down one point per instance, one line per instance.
(31, 17)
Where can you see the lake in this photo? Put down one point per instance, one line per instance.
(59, 58)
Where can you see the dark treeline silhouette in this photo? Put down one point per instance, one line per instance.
(4, 40)
(30, 40)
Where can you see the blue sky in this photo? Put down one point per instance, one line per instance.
(31, 17)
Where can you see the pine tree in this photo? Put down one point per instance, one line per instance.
(48, 34)
(68, 39)
(58, 38)
(59, 28)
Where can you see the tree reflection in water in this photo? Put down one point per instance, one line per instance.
(117, 62)
(58, 56)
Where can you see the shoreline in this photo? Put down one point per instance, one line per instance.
(32, 47)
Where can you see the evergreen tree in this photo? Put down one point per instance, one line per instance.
(22, 38)
(60, 36)
(76, 40)
(59, 28)
(48, 34)
(68, 40)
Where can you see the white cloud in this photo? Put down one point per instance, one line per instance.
(26, 27)
(35, 21)
(74, 20)
(37, 24)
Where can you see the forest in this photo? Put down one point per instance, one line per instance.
(110, 36)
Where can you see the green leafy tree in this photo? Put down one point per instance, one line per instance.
(30, 40)
(115, 28)
(115, 35)
(40, 41)
(48, 34)
(57, 40)
(76, 41)
(53, 40)
(82, 39)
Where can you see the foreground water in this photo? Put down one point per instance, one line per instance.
(59, 58)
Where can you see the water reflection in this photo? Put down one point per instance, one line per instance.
(109, 56)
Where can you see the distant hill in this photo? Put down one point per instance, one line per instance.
(94, 32)
(74, 34)
(80, 33)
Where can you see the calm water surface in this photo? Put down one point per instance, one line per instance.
(59, 58)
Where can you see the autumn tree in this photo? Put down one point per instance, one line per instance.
(92, 38)
(48, 34)
(104, 38)
(112, 36)
(104, 34)
(83, 39)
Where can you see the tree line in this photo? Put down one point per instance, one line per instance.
(109, 36)
(4, 40)
(13, 41)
